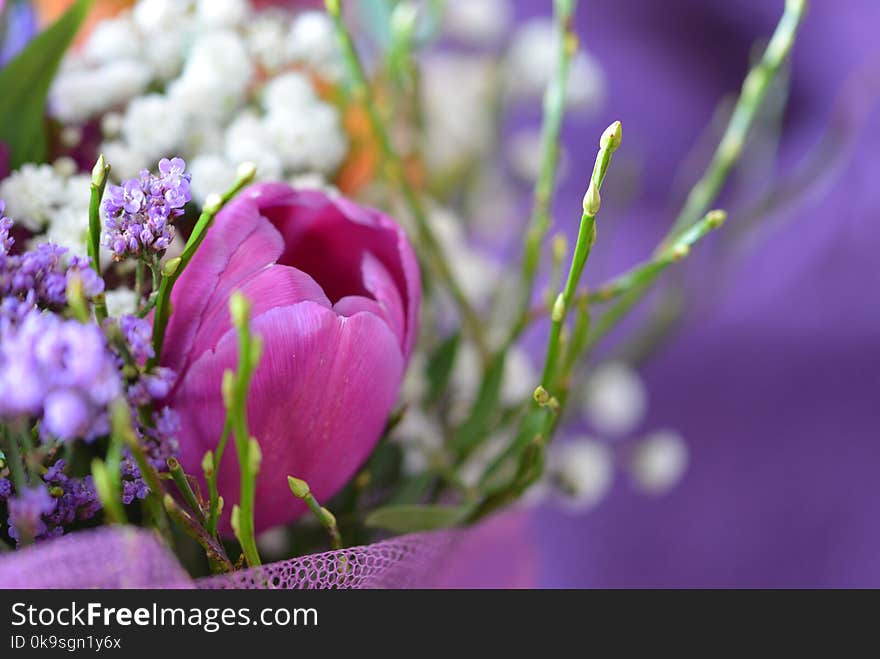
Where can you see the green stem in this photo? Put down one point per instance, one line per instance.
(586, 237)
(302, 491)
(100, 173)
(729, 150)
(395, 172)
(175, 267)
(185, 488)
(211, 477)
(554, 111)
(751, 98)
(13, 459)
(630, 287)
(192, 528)
(235, 394)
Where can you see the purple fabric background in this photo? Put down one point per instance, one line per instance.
(774, 380)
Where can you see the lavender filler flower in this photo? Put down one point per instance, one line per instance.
(140, 212)
(58, 370)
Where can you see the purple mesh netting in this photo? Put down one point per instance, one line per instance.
(114, 557)
(405, 562)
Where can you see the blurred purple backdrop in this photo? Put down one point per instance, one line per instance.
(774, 379)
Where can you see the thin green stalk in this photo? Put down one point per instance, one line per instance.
(192, 528)
(235, 394)
(554, 111)
(175, 267)
(396, 174)
(302, 491)
(185, 488)
(100, 173)
(631, 286)
(706, 190)
(751, 98)
(211, 466)
(13, 459)
(609, 143)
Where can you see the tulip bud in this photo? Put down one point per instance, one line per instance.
(592, 200)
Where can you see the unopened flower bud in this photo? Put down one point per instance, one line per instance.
(299, 487)
(213, 202)
(592, 200)
(99, 172)
(541, 396)
(246, 171)
(208, 464)
(171, 266)
(558, 309)
(716, 218)
(612, 137)
(240, 309)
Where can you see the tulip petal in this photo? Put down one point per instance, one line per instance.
(239, 244)
(328, 237)
(339, 378)
(276, 286)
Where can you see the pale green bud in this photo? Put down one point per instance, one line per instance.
(592, 200)
(299, 487)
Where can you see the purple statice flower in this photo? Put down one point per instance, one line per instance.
(26, 512)
(5, 489)
(77, 498)
(38, 277)
(160, 443)
(6, 239)
(140, 212)
(138, 333)
(60, 371)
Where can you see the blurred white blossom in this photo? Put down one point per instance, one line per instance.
(615, 399)
(659, 461)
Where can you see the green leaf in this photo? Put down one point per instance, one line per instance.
(414, 518)
(440, 366)
(24, 87)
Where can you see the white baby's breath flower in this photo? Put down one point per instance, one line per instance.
(32, 194)
(312, 41)
(476, 273)
(210, 173)
(125, 161)
(456, 96)
(154, 126)
(216, 76)
(659, 461)
(113, 39)
(289, 91)
(111, 125)
(615, 399)
(419, 435)
(313, 181)
(266, 37)
(309, 138)
(77, 93)
(531, 63)
(69, 228)
(583, 470)
(121, 301)
(247, 139)
(222, 13)
(480, 22)
(156, 16)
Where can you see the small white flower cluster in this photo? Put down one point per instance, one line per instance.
(614, 403)
(50, 199)
(210, 81)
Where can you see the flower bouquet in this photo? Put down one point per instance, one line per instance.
(272, 293)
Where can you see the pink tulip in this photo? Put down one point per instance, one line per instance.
(336, 290)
